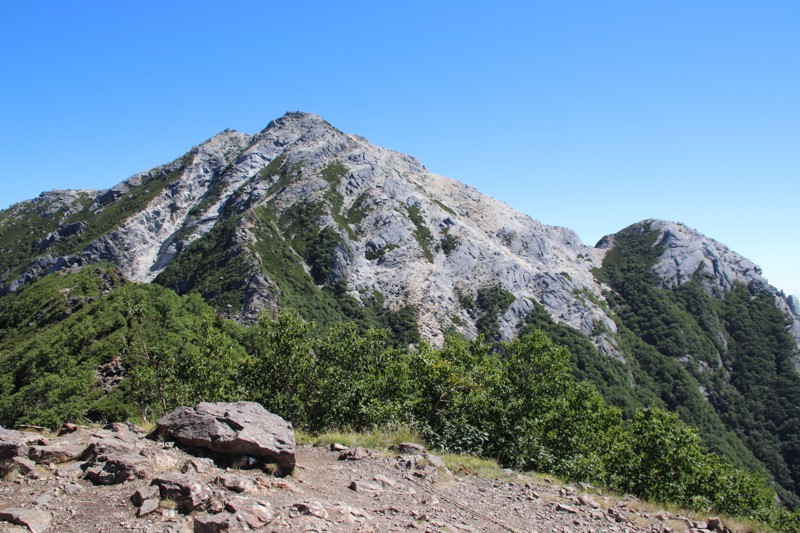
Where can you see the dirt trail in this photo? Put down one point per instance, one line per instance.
(376, 492)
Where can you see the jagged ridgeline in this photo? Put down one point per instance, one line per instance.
(124, 284)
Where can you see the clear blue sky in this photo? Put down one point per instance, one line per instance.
(591, 115)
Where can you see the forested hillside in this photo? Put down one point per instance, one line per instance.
(515, 401)
(727, 354)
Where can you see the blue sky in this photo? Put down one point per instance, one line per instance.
(585, 114)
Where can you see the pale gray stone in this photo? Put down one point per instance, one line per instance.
(148, 506)
(312, 507)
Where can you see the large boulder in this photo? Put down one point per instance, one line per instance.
(241, 428)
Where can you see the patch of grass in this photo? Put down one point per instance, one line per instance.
(380, 252)
(471, 465)
(358, 210)
(333, 174)
(286, 174)
(377, 439)
(215, 266)
(443, 206)
(449, 243)
(168, 503)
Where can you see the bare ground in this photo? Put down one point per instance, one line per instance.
(377, 493)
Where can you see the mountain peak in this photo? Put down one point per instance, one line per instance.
(298, 119)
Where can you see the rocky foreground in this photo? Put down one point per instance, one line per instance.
(235, 467)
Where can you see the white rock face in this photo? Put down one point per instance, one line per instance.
(689, 253)
(495, 243)
(144, 244)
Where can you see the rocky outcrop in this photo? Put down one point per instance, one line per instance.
(241, 428)
(384, 248)
(687, 254)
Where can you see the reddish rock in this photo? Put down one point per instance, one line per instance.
(190, 493)
(241, 428)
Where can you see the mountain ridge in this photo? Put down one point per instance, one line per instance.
(532, 260)
(302, 215)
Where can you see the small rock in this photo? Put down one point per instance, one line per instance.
(72, 489)
(214, 523)
(383, 480)
(566, 508)
(147, 506)
(434, 460)
(714, 524)
(189, 492)
(587, 501)
(106, 445)
(617, 515)
(363, 486)
(235, 483)
(312, 508)
(144, 493)
(200, 465)
(13, 443)
(428, 473)
(163, 460)
(351, 515)
(410, 448)
(67, 428)
(35, 520)
(356, 454)
(336, 447)
(215, 505)
(25, 467)
(55, 454)
(255, 513)
(117, 468)
(69, 471)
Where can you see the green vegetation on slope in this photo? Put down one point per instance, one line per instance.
(724, 364)
(22, 229)
(50, 377)
(422, 234)
(516, 402)
(215, 266)
(488, 305)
